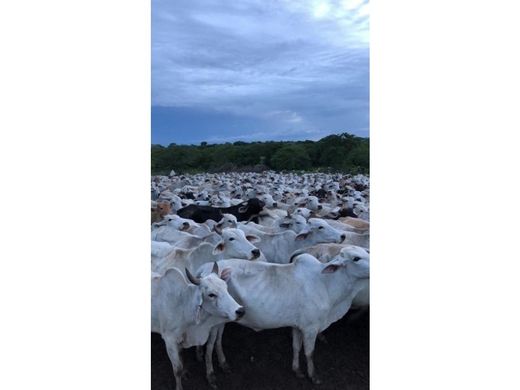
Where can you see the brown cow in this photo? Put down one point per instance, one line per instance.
(162, 209)
(356, 222)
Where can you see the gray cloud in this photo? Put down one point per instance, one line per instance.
(303, 63)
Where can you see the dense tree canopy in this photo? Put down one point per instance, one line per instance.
(342, 152)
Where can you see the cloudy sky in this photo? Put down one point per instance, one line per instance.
(257, 70)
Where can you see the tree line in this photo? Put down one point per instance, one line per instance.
(334, 153)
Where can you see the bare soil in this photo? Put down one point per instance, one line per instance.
(262, 360)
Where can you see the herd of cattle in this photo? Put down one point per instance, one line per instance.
(266, 250)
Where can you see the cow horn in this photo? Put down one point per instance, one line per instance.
(250, 218)
(215, 268)
(191, 278)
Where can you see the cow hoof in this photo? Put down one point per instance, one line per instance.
(225, 367)
(316, 380)
(212, 380)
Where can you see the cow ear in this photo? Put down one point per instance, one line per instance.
(302, 236)
(219, 248)
(331, 268)
(225, 274)
(252, 238)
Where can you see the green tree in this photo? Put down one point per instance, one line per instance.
(291, 157)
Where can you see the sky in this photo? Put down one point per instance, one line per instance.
(258, 70)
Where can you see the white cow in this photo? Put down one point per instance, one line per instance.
(326, 252)
(233, 244)
(161, 249)
(175, 230)
(305, 295)
(184, 313)
(227, 221)
(294, 222)
(277, 247)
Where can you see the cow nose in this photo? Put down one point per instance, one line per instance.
(240, 312)
(256, 253)
(343, 236)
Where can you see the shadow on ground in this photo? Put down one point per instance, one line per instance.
(262, 360)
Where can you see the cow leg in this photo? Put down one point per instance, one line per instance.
(210, 373)
(220, 351)
(173, 353)
(309, 341)
(297, 346)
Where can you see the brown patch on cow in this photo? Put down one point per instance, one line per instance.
(162, 209)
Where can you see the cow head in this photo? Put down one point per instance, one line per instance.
(354, 259)
(215, 298)
(252, 206)
(175, 222)
(319, 230)
(227, 221)
(296, 223)
(235, 244)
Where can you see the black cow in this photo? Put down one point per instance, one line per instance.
(187, 195)
(243, 211)
(347, 212)
(321, 193)
(344, 212)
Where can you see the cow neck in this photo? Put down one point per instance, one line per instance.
(341, 284)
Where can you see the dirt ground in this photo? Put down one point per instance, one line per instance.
(262, 360)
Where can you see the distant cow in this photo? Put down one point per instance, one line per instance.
(243, 212)
(162, 209)
(346, 212)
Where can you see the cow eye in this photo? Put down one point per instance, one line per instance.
(170, 219)
(298, 223)
(229, 221)
(356, 258)
(212, 295)
(231, 239)
(321, 227)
